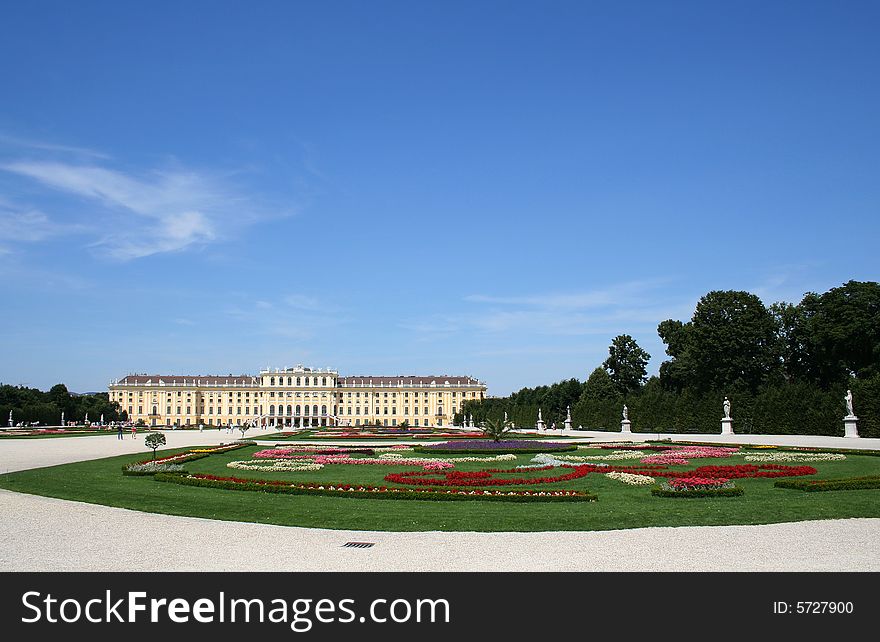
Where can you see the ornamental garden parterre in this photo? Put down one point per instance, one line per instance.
(475, 484)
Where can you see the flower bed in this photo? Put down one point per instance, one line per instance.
(291, 451)
(483, 478)
(190, 455)
(726, 489)
(508, 446)
(630, 479)
(275, 465)
(681, 456)
(781, 455)
(741, 471)
(363, 491)
(151, 468)
(868, 482)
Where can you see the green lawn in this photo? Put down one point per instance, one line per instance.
(619, 506)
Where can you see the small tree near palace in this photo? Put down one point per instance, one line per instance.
(496, 428)
(154, 440)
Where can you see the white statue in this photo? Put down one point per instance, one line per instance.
(568, 414)
(62, 417)
(726, 408)
(849, 404)
(625, 412)
(539, 415)
(505, 416)
(10, 419)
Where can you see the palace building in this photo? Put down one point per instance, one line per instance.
(295, 397)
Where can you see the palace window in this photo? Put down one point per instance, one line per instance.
(406, 410)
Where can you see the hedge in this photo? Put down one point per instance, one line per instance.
(816, 485)
(402, 493)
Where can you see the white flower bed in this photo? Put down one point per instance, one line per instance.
(617, 455)
(632, 480)
(794, 457)
(276, 465)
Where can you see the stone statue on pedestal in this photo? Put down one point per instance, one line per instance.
(849, 404)
(10, 419)
(625, 412)
(726, 408)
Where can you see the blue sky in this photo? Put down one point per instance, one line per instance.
(485, 188)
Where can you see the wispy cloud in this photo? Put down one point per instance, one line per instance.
(27, 224)
(32, 144)
(302, 302)
(162, 210)
(612, 295)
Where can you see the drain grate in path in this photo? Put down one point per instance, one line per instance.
(358, 544)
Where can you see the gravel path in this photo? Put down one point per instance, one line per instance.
(47, 534)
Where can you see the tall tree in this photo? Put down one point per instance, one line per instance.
(842, 327)
(730, 341)
(626, 364)
(599, 386)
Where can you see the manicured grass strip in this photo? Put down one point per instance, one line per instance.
(372, 492)
(698, 492)
(815, 485)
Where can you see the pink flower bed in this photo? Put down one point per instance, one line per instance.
(682, 456)
(688, 483)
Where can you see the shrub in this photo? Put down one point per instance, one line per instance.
(816, 485)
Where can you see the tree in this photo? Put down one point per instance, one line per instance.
(599, 386)
(154, 440)
(730, 341)
(496, 428)
(842, 331)
(626, 364)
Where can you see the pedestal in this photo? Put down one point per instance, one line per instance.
(625, 426)
(540, 426)
(567, 424)
(851, 426)
(727, 426)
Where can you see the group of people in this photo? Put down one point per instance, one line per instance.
(119, 431)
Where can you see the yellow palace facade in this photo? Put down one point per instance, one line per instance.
(294, 397)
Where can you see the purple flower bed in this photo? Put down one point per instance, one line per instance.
(487, 445)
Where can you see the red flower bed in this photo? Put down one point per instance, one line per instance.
(736, 472)
(428, 478)
(361, 490)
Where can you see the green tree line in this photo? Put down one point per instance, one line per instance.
(785, 369)
(32, 405)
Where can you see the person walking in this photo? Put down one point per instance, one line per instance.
(119, 431)
(134, 431)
